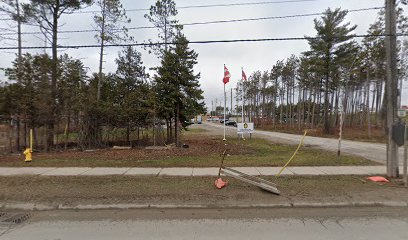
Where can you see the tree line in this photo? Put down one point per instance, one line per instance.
(55, 95)
(337, 74)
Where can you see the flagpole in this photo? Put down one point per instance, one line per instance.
(225, 80)
(243, 92)
(243, 101)
(225, 104)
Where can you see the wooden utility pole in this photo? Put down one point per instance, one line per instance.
(391, 85)
(19, 63)
(102, 46)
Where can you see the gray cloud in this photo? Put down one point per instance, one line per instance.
(251, 56)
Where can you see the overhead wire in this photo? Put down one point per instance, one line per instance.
(276, 17)
(195, 42)
(210, 22)
(204, 6)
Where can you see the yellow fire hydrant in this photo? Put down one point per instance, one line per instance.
(28, 155)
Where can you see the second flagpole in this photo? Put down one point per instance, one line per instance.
(225, 104)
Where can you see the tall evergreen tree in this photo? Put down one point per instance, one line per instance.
(47, 14)
(132, 90)
(111, 15)
(13, 9)
(177, 85)
(330, 45)
(162, 15)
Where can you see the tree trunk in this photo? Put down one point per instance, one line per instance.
(66, 132)
(128, 134)
(54, 71)
(309, 109)
(19, 42)
(100, 75)
(171, 131)
(168, 126)
(326, 107)
(177, 126)
(368, 112)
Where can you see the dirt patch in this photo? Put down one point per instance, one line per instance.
(199, 146)
(188, 190)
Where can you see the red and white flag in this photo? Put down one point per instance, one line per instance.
(244, 75)
(227, 75)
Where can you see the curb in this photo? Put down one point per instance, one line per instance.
(44, 207)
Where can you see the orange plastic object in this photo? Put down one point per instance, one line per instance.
(377, 179)
(219, 183)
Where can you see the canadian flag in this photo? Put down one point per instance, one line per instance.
(244, 75)
(227, 75)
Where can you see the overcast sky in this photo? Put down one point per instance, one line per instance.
(251, 56)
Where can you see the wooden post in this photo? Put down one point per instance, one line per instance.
(340, 135)
(405, 156)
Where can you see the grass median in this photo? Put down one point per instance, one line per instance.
(191, 190)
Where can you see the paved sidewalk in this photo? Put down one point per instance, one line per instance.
(187, 172)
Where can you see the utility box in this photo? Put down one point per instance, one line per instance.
(398, 133)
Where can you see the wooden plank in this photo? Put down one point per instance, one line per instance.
(267, 186)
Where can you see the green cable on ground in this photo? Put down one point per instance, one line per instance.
(294, 154)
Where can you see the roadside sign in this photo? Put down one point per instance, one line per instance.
(245, 128)
(402, 113)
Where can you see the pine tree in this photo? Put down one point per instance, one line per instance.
(47, 14)
(162, 15)
(329, 45)
(131, 93)
(177, 85)
(112, 14)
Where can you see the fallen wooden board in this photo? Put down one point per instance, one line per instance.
(121, 148)
(259, 182)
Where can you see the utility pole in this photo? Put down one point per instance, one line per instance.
(391, 85)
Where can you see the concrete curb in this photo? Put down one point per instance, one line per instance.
(44, 207)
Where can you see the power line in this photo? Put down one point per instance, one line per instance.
(276, 17)
(245, 4)
(205, 6)
(197, 42)
(210, 22)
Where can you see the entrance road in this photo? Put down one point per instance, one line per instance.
(372, 151)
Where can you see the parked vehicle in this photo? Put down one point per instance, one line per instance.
(231, 123)
(199, 120)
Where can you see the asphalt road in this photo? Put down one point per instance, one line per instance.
(372, 151)
(354, 223)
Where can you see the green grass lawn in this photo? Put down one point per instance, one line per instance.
(268, 154)
(204, 151)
